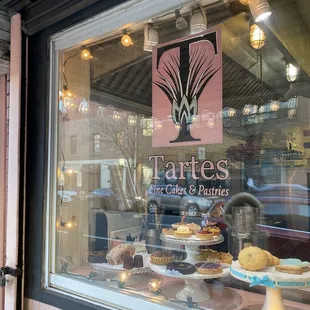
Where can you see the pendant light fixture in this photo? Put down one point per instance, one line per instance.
(67, 92)
(291, 72)
(198, 21)
(257, 36)
(181, 22)
(86, 53)
(260, 10)
(126, 39)
(151, 37)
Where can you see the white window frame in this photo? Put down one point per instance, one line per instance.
(129, 13)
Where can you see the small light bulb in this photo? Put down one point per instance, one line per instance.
(126, 40)
(154, 285)
(85, 53)
(68, 93)
(69, 224)
(123, 276)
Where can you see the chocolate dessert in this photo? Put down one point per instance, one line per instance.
(128, 262)
(180, 255)
(184, 268)
(97, 257)
(138, 261)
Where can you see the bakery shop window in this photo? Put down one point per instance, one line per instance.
(189, 186)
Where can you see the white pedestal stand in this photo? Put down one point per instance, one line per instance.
(201, 291)
(193, 282)
(274, 299)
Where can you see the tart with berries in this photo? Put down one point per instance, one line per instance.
(205, 235)
(208, 268)
(215, 230)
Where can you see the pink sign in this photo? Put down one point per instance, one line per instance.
(187, 91)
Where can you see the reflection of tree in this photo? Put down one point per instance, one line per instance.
(248, 153)
(119, 134)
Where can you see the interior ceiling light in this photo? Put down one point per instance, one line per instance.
(181, 22)
(198, 21)
(67, 92)
(257, 37)
(85, 53)
(151, 37)
(126, 39)
(291, 72)
(260, 10)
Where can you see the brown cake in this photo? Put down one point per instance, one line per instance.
(116, 255)
(128, 262)
(138, 261)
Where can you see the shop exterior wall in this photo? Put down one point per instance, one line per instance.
(31, 304)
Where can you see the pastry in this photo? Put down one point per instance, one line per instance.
(193, 228)
(269, 258)
(180, 255)
(162, 257)
(272, 260)
(116, 255)
(205, 235)
(183, 232)
(97, 257)
(275, 261)
(215, 230)
(168, 231)
(177, 225)
(184, 268)
(253, 258)
(128, 262)
(208, 268)
(211, 256)
(289, 269)
(138, 261)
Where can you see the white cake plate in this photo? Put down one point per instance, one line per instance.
(191, 245)
(274, 299)
(192, 282)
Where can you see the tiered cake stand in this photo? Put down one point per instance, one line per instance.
(274, 282)
(193, 282)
